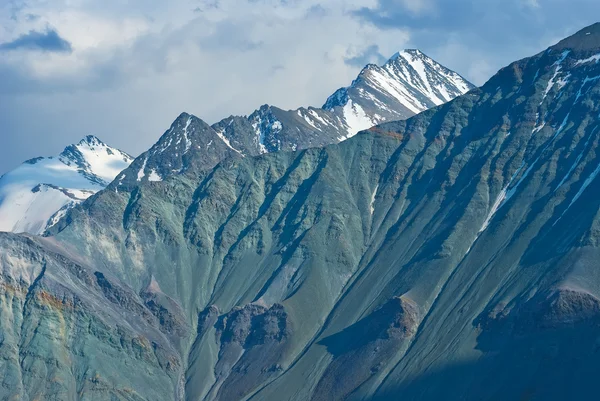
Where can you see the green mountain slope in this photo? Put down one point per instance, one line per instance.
(450, 256)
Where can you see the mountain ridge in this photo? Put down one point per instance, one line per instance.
(189, 143)
(440, 257)
(366, 102)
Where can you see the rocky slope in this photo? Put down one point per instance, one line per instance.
(450, 256)
(40, 191)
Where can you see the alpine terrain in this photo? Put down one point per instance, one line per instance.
(454, 255)
(38, 193)
(409, 83)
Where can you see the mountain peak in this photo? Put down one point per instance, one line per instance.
(407, 84)
(407, 52)
(98, 162)
(183, 116)
(189, 143)
(91, 140)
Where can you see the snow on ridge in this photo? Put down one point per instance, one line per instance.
(413, 79)
(226, 141)
(356, 119)
(410, 77)
(434, 76)
(188, 143)
(104, 161)
(391, 86)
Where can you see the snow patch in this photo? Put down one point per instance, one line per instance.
(356, 119)
(221, 135)
(142, 173)
(188, 143)
(595, 58)
(154, 177)
(373, 199)
(260, 136)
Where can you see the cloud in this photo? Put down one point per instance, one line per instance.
(370, 55)
(49, 41)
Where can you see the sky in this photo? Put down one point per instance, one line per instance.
(123, 71)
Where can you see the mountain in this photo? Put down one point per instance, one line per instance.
(190, 143)
(453, 255)
(38, 193)
(409, 83)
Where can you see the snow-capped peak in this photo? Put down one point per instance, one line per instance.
(408, 83)
(437, 82)
(94, 159)
(38, 192)
(410, 77)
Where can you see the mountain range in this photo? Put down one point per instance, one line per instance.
(408, 83)
(452, 255)
(40, 191)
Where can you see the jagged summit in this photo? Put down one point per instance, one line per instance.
(404, 53)
(189, 143)
(91, 140)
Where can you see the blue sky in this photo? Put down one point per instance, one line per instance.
(124, 70)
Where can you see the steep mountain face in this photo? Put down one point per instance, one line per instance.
(40, 191)
(409, 83)
(450, 256)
